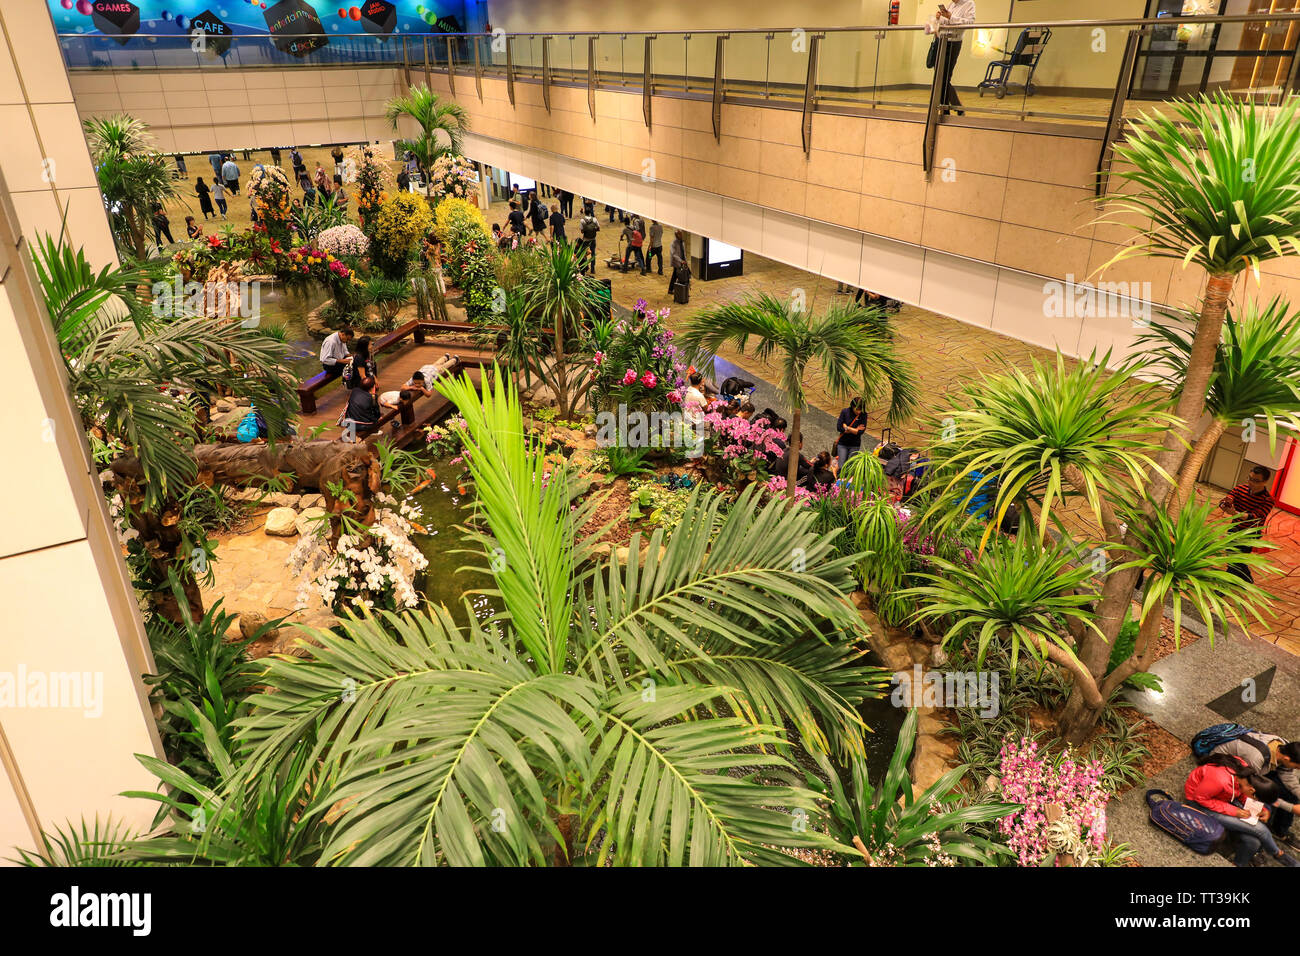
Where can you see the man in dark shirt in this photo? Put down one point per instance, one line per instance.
(557, 223)
(516, 219)
(1249, 505)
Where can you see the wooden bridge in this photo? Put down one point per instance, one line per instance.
(397, 354)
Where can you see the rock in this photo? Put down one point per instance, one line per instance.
(281, 500)
(311, 501)
(991, 783)
(860, 600)
(250, 621)
(929, 763)
(601, 549)
(589, 431)
(106, 476)
(225, 405)
(246, 495)
(896, 658)
(280, 522)
(305, 523)
(919, 653)
(243, 402)
(938, 656)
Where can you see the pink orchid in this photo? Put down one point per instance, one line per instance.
(649, 380)
(629, 377)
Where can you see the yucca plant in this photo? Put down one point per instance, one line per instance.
(891, 825)
(1185, 559)
(850, 345)
(559, 292)
(1047, 432)
(1214, 181)
(1015, 593)
(1256, 376)
(612, 713)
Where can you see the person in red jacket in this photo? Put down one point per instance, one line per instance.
(1221, 787)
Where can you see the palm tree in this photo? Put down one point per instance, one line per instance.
(605, 714)
(137, 378)
(557, 289)
(433, 117)
(133, 176)
(1256, 375)
(852, 346)
(1216, 182)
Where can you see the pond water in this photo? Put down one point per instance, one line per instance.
(280, 307)
(444, 582)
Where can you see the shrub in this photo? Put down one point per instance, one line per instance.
(452, 177)
(639, 366)
(346, 241)
(1036, 782)
(460, 219)
(268, 188)
(403, 221)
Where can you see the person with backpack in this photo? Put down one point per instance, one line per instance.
(1267, 755)
(634, 238)
(588, 226)
(1220, 787)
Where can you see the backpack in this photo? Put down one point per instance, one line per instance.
(888, 451)
(250, 427)
(900, 463)
(1188, 825)
(589, 227)
(1203, 743)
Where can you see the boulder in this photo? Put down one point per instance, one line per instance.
(281, 500)
(589, 431)
(250, 621)
(938, 656)
(311, 501)
(246, 495)
(280, 522)
(225, 405)
(306, 523)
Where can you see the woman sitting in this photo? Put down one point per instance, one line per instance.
(360, 371)
(825, 471)
(1222, 788)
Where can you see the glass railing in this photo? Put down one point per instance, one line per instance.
(1056, 72)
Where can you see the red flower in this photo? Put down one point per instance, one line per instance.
(648, 379)
(214, 241)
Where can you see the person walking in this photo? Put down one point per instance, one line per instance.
(337, 155)
(962, 12)
(557, 224)
(319, 178)
(205, 198)
(537, 213)
(161, 226)
(850, 425)
(275, 155)
(214, 160)
(588, 226)
(180, 164)
(308, 192)
(516, 220)
(566, 203)
(219, 196)
(656, 237)
(1249, 504)
(634, 238)
(679, 286)
(230, 173)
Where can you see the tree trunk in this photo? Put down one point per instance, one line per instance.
(136, 229)
(792, 466)
(1200, 366)
(1077, 718)
(1192, 466)
(561, 379)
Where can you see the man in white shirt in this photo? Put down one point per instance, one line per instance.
(334, 352)
(230, 173)
(961, 12)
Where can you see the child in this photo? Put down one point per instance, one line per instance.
(414, 387)
(192, 228)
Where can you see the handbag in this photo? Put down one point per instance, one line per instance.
(933, 54)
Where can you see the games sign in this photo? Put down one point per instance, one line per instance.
(119, 19)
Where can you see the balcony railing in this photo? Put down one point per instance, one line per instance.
(1087, 74)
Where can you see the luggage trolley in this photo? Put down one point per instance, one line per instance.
(1029, 47)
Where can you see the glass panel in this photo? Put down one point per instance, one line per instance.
(847, 68)
(700, 58)
(634, 61)
(788, 67)
(745, 64)
(668, 60)
(609, 60)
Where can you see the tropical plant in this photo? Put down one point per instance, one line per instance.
(560, 292)
(434, 117)
(1256, 375)
(133, 176)
(268, 192)
(604, 716)
(404, 219)
(388, 296)
(326, 217)
(850, 345)
(452, 176)
(640, 367)
(138, 380)
(892, 825)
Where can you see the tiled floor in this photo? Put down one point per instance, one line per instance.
(945, 354)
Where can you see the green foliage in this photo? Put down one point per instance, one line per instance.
(388, 296)
(898, 827)
(1210, 180)
(433, 116)
(101, 843)
(621, 461)
(400, 470)
(132, 175)
(1123, 648)
(310, 221)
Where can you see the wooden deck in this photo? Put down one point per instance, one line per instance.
(394, 366)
